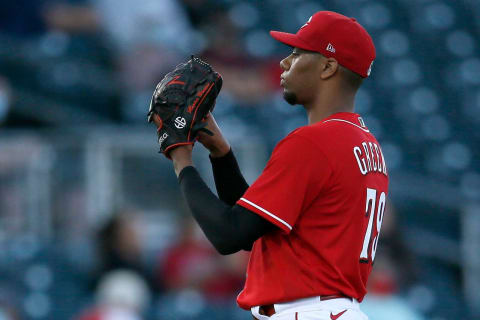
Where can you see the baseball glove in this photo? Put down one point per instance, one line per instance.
(182, 100)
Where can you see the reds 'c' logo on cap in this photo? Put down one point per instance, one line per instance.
(310, 19)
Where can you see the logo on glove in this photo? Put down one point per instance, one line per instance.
(180, 122)
(162, 138)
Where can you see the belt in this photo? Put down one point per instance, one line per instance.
(269, 309)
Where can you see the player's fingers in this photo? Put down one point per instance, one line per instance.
(202, 136)
(157, 120)
(211, 120)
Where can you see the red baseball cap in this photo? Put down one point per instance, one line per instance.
(337, 36)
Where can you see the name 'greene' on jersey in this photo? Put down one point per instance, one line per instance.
(325, 188)
(370, 159)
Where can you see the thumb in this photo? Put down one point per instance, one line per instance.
(157, 120)
(200, 127)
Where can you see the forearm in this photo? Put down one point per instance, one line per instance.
(228, 229)
(229, 181)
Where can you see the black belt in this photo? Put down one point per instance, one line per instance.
(269, 309)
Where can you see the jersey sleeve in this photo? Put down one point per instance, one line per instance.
(296, 173)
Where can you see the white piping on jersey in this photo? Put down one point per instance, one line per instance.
(265, 211)
(356, 125)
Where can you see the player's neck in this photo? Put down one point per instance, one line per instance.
(325, 106)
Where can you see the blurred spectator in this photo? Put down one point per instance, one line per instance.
(129, 24)
(193, 264)
(76, 17)
(149, 38)
(52, 55)
(201, 12)
(245, 79)
(121, 295)
(119, 247)
(8, 312)
(393, 248)
(393, 273)
(383, 301)
(228, 43)
(32, 18)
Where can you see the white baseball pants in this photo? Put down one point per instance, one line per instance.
(314, 309)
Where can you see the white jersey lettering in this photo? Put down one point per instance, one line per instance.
(361, 162)
(374, 163)
(378, 157)
(367, 155)
(370, 158)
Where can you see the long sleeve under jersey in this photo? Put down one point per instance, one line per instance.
(229, 227)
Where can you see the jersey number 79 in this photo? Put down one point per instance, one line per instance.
(372, 214)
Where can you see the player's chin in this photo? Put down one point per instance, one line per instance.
(290, 97)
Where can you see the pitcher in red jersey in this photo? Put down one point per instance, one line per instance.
(312, 219)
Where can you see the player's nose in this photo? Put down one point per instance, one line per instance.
(284, 64)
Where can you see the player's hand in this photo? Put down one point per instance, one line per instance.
(216, 144)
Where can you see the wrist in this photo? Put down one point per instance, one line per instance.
(220, 151)
(181, 158)
(178, 166)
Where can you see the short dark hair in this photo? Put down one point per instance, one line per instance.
(351, 79)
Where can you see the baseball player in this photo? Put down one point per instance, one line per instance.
(312, 219)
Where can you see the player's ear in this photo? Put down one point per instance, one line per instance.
(329, 68)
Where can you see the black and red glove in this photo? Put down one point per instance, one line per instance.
(182, 100)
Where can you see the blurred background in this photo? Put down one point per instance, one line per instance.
(92, 225)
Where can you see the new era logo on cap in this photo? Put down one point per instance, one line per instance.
(330, 48)
(354, 48)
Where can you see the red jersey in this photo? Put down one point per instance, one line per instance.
(325, 187)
